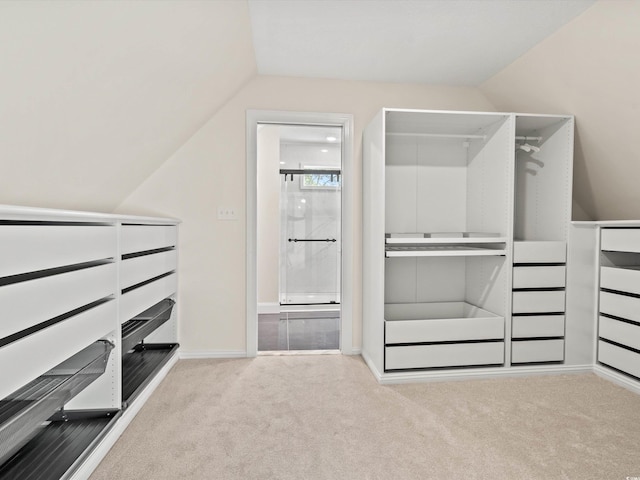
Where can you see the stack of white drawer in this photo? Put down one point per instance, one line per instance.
(538, 307)
(619, 319)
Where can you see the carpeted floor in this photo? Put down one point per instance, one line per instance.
(325, 417)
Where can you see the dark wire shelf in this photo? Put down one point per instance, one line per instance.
(59, 447)
(140, 326)
(23, 412)
(141, 365)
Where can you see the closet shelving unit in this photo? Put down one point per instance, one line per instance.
(86, 297)
(543, 179)
(619, 301)
(604, 297)
(436, 262)
(465, 226)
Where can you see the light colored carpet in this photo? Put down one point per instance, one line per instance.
(325, 417)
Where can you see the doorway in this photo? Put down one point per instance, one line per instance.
(299, 236)
(299, 232)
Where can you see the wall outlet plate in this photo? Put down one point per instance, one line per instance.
(227, 213)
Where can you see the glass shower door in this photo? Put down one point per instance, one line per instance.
(310, 238)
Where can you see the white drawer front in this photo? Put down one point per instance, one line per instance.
(622, 279)
(538, 326)
(138, 269)
(26, 304)
(538, 302)
(27, 248)
(539, 252)
(529, 351)
(620, 306)
(35, 354)
(441, 330)
(539, 277)
(620, 239)
(620, 332)
(140, 238)
(447, 355)
(620, 358)
(139, 299)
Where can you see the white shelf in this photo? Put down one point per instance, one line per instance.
(442, 238)
(442, 251)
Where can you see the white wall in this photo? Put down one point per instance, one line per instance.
(589, 68)
(95, 95)
(209, 171)
(268, 215)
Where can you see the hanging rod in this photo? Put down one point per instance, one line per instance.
(529, 139)
(438, 135)
(286, 171)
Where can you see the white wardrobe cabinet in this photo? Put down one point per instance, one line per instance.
(89, 328)
(465, 220)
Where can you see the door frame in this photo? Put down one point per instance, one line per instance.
(254, 118)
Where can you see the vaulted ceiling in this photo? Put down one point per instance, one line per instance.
(95, 96)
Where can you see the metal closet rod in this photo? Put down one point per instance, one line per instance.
(438, 135)
(529, 139)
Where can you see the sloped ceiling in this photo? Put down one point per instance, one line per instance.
(94, 96)
(446, 42)
(589, 68)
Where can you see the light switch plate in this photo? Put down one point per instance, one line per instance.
(227, 213)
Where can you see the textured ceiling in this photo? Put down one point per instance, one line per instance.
(452, 42)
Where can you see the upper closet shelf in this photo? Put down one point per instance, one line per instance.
(442, 238)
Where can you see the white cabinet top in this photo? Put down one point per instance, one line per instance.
(16, 213)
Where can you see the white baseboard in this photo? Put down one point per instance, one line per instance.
(194, 354)
(617, 378)
(478, 374)
(95, 457)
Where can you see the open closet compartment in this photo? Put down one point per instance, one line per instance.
(24, 412)
(444, 182)
(148, 284)
(542, 213)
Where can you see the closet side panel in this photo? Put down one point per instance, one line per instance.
(373, 229)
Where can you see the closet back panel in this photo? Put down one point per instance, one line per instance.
(489, 177)
(425, 185)
(543, 179)
(425, 279)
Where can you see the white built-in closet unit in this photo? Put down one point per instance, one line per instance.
(606, 294)
(446, 289)
(88, 330)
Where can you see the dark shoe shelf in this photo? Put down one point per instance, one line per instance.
(23, 412)
(140, 326)
(141, 365)
(59, 447)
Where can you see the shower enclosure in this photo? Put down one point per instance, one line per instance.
(299, 237)
(310, 240)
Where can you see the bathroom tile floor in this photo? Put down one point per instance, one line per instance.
(299, 331)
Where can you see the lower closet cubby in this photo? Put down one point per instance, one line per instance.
(444, 312)
(33, 419)
(141, 359)
(441, 334)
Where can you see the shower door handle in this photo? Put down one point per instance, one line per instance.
(312, 240)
